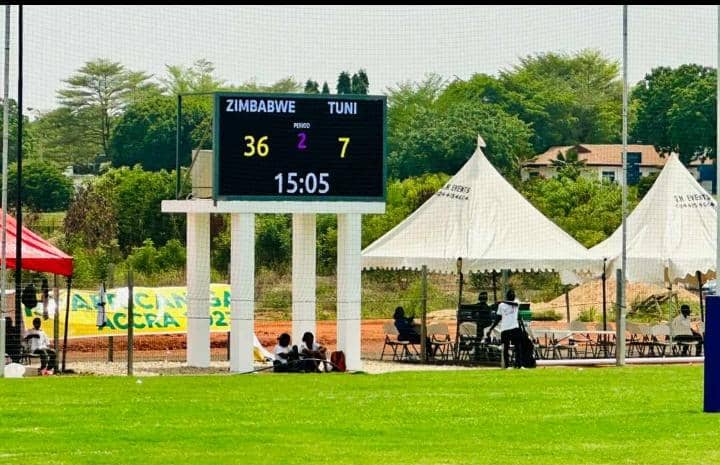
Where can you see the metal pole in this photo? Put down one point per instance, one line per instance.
(56, 317)
(494, 284)
(18, 200)
(604, 294)
(111, 340)
(6, 119)
(567, 303)
(131, 322)
(700, 285)
(423, 320)
(67, 325)
(178, 138)
(460, 291)
(620, 322)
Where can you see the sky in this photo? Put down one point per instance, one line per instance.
(393, 44)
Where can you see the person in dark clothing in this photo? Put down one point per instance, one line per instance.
(13, 340)
(29, 296)
(405, 327)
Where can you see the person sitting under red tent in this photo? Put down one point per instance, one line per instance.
(40, 345)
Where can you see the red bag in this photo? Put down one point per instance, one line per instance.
(337, 359)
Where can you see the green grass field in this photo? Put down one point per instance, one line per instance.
(635, 415)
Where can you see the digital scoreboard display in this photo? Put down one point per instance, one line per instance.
(299, 147)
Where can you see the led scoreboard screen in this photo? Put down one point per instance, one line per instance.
(299, 147)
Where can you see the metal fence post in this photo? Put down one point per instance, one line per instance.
(130, 323)
(423, 326)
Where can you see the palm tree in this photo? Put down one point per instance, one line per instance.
(569, 164)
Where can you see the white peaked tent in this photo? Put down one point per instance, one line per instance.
(670, 234)
(479, 217)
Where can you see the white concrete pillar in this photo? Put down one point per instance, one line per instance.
(304, 240)
(198, 290)
(242, 291)
(348, 289)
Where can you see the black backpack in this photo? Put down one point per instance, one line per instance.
(527, 348)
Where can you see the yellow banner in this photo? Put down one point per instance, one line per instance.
(157, 310)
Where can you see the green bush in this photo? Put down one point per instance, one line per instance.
(588, 315)
(546, 315)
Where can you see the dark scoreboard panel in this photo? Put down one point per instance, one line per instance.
(299, 147)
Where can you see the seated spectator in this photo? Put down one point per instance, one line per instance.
(310, 349)
(683, 332)
(406, 328)
(285, 356)
(40, 345)
(12, 340)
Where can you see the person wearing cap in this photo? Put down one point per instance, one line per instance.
(684, 333)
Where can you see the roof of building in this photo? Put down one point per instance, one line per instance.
(600, 155)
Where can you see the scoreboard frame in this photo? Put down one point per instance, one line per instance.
(217, 196)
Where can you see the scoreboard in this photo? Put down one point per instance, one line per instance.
(299, 147)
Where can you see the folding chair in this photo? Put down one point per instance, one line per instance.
(390, 330)
(440, 341)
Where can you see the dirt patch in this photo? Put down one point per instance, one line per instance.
(589, 295)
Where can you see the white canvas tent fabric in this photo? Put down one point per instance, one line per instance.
(481, 218)
(670, 234)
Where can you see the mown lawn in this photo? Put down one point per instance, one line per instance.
(634, 415)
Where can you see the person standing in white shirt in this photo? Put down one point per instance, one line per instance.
(507, 314)
(40, 345)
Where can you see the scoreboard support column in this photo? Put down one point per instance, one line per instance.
(242, 291)
(304, 272)
(348, 288)
(198, 290)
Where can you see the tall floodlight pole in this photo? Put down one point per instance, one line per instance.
(18, 201)
(620, 320)
(6, 121)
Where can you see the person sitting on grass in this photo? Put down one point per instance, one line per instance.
(40, 345)
(285, 356)
(309, 349)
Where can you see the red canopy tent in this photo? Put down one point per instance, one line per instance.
(37, 253)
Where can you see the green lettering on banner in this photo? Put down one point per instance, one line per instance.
(226, 298)
(108, 324)
(163, 302)
(78, 303)
(140, 303)
(220, 321)
(179, 300)
(214, 301)
(110, 299)
(118, 323)
(169, 320)
(137, 321)
(28, 311)
(151, 319)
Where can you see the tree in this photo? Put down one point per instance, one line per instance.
(360, 84)
(45, 187)
(568, 164)
(344, 86)
(99, 90)
(406, 100)
(136, 196)
(437, 141)
(200, 77)
(568, 99)
(146, 132)
(326, 88)
(674, 110)
(312, 87)
(12, 128)
(91, 219)
(60, 136)
(587, 209)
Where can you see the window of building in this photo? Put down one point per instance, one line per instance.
(608, 176)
